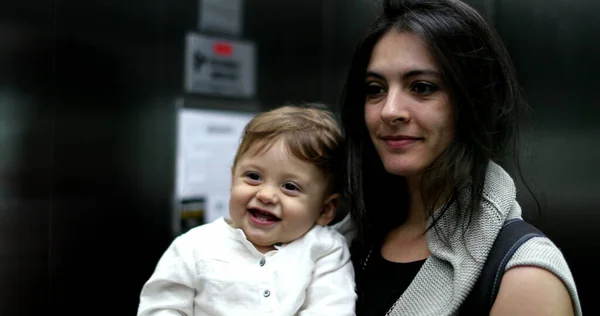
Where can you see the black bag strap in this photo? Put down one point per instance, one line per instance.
(513, 234)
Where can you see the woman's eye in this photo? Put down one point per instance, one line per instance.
(291, 187)
(373, 90)
(424, 89)
(253, 176)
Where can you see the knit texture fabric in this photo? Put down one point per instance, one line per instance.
(448, 275)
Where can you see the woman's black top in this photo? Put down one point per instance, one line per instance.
(380, 282)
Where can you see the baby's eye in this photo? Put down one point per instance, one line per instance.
(291, 187)
(252, 176)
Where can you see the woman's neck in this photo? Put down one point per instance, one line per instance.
(417, 214)
(408, 242)
(421, 205)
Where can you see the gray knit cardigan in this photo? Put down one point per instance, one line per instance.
(449, 273)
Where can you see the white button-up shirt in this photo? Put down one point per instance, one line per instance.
(214, 270)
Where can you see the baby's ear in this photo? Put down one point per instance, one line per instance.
(328, 210)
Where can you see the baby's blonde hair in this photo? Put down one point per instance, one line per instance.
(310, 132)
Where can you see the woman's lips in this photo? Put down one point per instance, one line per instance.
(399, 142)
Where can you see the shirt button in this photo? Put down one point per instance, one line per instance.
(262, 262)
(266, 293)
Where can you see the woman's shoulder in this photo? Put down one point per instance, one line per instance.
(542, 253)
(539, 250)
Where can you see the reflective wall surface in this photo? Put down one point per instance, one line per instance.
(554, 45)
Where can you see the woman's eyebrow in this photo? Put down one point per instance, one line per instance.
(408, 74)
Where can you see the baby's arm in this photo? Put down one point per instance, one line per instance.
(332, 290)
(170, 290)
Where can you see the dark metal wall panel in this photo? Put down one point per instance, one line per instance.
(26, 143)
(108, 216)
(554, 45)
(344, 23)
(288, 34)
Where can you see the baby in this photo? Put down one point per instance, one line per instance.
(275, 255)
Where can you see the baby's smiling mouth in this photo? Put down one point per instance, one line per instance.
(263, 215)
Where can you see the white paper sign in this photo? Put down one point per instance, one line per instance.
(218, 206)
(206, 145)
(225, 16)
(216, 66)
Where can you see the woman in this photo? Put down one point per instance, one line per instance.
(430, 106)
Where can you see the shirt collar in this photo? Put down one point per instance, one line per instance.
(239, 235)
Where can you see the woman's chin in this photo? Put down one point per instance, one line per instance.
(403, 170)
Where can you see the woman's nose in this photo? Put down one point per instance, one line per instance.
(395, 109)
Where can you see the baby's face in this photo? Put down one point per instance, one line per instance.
(276, 198)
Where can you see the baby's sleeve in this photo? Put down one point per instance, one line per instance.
(170, 290)
(332, 289)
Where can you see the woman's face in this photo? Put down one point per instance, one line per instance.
(408, 112)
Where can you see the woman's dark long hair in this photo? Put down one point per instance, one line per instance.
(488, 104)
